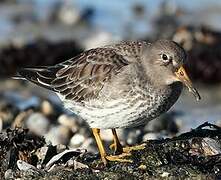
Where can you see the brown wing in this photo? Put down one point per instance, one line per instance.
(81, 77)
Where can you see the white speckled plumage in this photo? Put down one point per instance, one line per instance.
(117, 86)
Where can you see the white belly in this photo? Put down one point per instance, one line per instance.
(119, 113)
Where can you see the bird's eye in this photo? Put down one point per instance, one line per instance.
(165, 57)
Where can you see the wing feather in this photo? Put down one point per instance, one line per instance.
(83, 76)
(78, 79)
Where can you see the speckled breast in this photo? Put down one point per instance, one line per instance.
(130, 111)
(152, 104)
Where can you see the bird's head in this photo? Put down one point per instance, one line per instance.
(166, 59)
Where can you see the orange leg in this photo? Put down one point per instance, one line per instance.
(119, 149)
(116, 146)
(100, 145)
(103, 154)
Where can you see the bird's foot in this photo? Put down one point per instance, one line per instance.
(120, 158)
(118, 149)
(128, 149)
(123, 152)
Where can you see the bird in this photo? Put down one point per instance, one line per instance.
(120, 85)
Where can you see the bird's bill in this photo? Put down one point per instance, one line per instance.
(183, 77)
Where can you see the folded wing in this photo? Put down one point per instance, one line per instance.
(81, 77)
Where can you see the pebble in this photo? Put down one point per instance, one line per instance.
(133, 137)
(60, 148)
(9, 174)
(76, 164)
(70, 122)
(165, 174)
(68, 14)
(106, 135)
(151, 136)
(77, 140)
(90, 145)
(24, 166)
(47, 108)
(85, 130)
(58, 135)
(38, 124)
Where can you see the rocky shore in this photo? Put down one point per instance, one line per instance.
(195, 154)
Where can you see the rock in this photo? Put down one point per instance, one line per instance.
(77, 140)
(22, 165)
(44, 155)
(58, 135)
(41, 154)
(151, 136)
(85, 130)
(47, 108)
(76, 164)
(165, 174)
(60, 148)
(123, 135)
(133, 136)
(70, 122)
(106, 135)
(99, 38)
(162, 158)
(218, 122)
(9, 174)
(52, 107)
(68, 14)
(90, 145)
(38, 124)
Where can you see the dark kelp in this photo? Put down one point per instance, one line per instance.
(193, 154)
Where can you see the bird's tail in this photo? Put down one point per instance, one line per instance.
(18, 77)
(42, 76)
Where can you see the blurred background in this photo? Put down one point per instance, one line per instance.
(45, 32)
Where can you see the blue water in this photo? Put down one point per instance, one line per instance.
(116, 17)
(112, 15)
